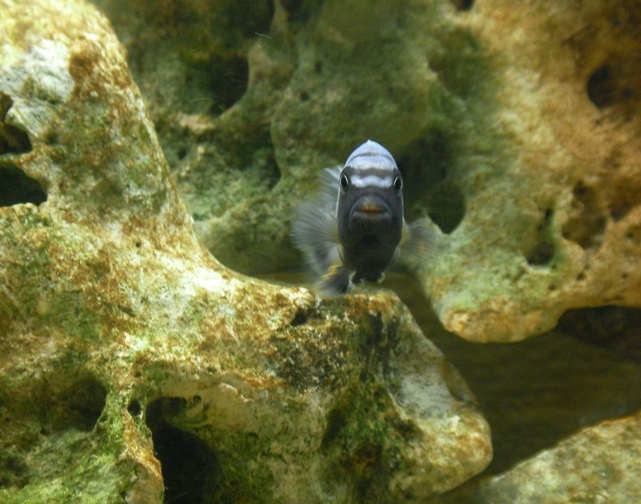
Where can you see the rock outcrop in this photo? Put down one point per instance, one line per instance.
(133, 364)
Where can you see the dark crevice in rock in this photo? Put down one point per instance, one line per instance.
(300, 11)
(300, 318)
(613, 327)
(16, 188)
(446, 206)
(601, 87)
(12, 139)
(79, 406)
(14, 471)
(427, 182)
(335, 424)
(134, 408)
(190, 470)
(624, 194)
(543, 251)
(216, 82)
(227, 80)
(462, 5)
(587, 223)
(616, 83)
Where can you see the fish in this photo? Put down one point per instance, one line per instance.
(355, 229)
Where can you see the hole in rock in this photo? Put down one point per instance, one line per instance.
(299, 319)
(228, 80)
(78, 406)
(300, 11)
(463, 5)
(624, 194)
(619, 209)
(446, 207)
(541, 254)
(461, 58)
(601, 87)
(587, 223)
(428, 186)
(190, 469)
(134, 408)
(16, 188)
(12, 139)
(335, 424)
(14, 471)
(616, 82)
(543, 250)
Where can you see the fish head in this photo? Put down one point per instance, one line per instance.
(370, 197)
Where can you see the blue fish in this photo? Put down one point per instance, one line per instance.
(356, 230)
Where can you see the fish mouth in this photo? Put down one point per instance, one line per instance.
(371, 208)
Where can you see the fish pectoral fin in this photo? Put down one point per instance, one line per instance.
(314, 232)
(419, 244)
(335, 281)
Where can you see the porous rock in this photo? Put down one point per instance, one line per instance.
(516, 128)
(598, 464)
(133, 364)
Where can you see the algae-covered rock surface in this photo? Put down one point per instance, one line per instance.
(135, 368)
(516, 127)
(554, 475)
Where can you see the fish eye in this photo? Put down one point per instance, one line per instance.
(398, 184)
(344, 182)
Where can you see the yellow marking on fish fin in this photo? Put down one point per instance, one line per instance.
(406, 234)
(335, 281)
(333, 270)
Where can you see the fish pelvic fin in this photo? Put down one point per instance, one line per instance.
(336, 281)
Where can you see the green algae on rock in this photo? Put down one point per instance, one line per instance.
(134, 365)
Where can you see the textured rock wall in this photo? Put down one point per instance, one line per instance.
(135, 368)
(134, 365)
(516, 128)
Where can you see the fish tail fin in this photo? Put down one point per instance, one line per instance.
(336, 281)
